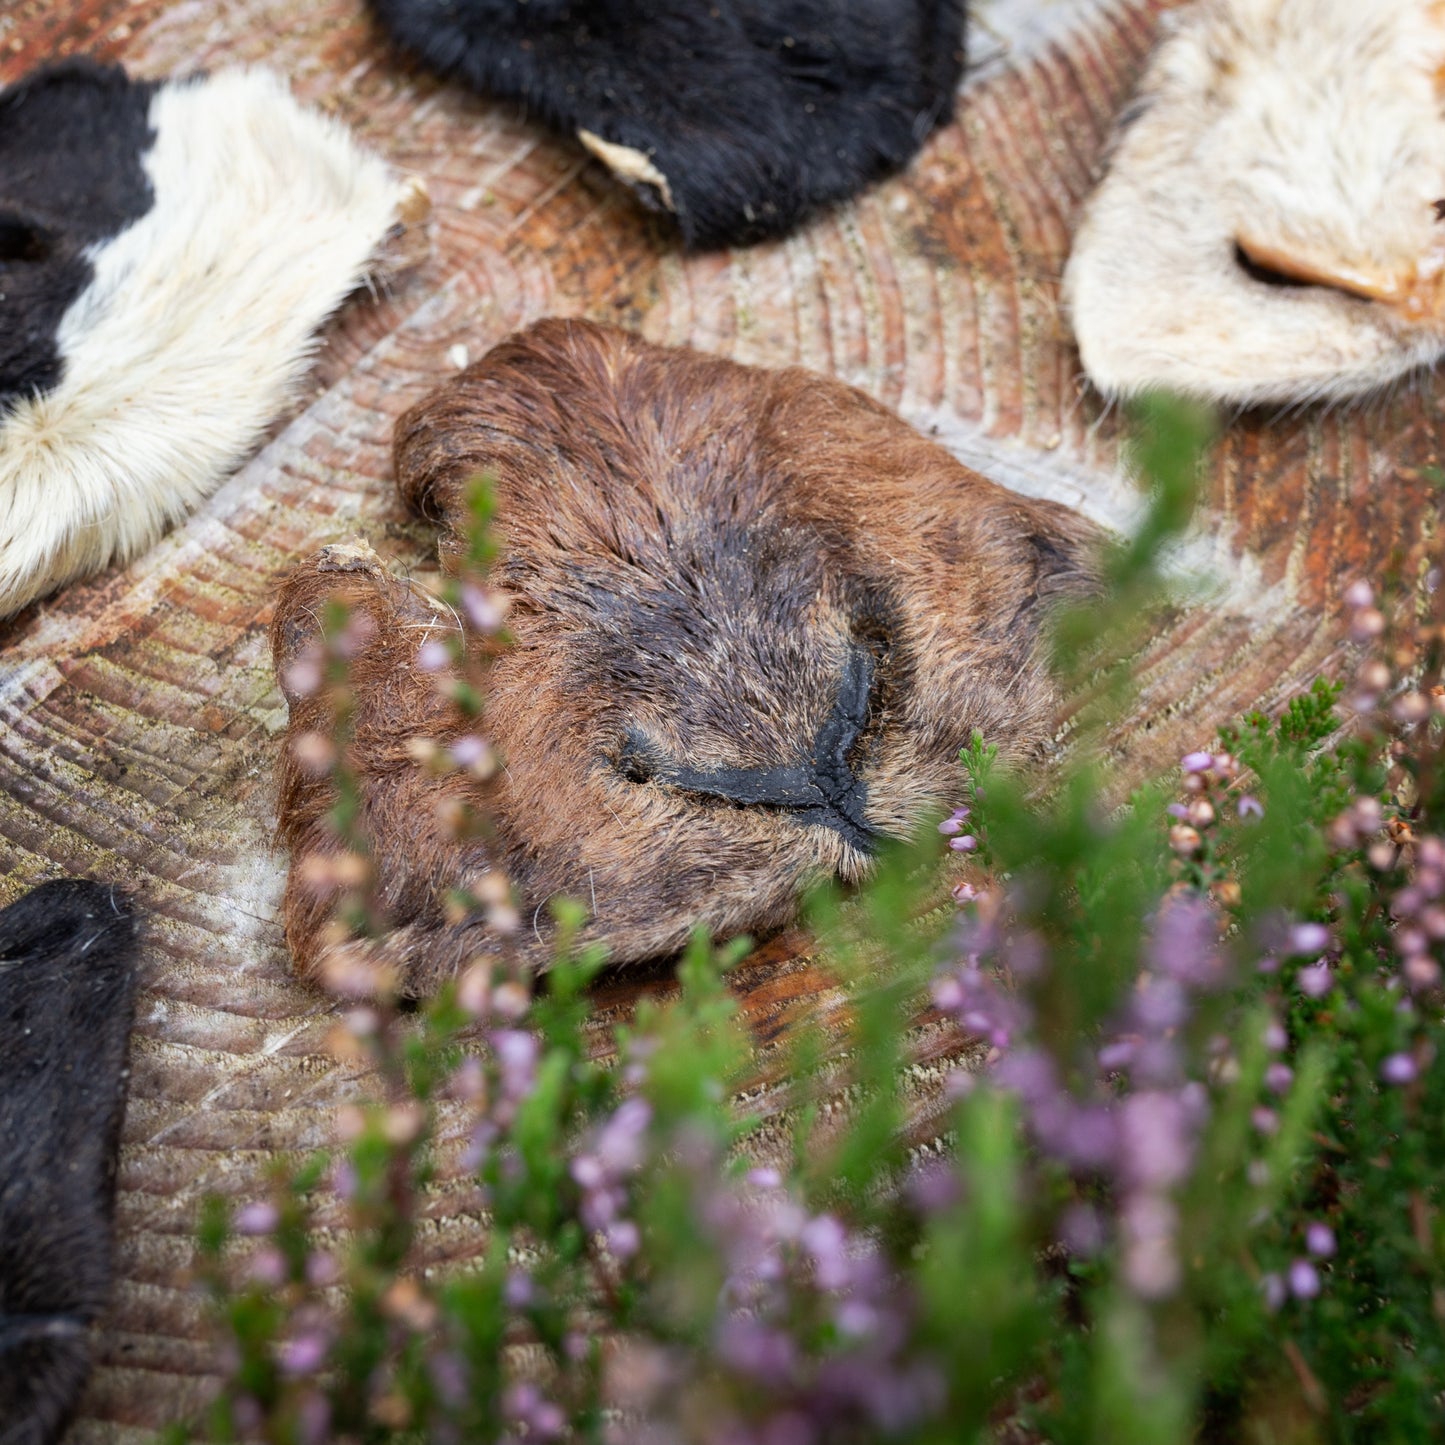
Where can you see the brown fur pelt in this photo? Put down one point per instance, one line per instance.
(755, 616)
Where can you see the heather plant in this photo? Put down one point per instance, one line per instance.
(1191, 1182)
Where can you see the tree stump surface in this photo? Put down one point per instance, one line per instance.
(139, 719)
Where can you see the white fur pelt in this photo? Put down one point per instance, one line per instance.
(194, 328)
(1266, 230)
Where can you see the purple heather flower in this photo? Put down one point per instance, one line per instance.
(934, 1187)
(764, 1178)
(768, 1355)
(247, 1413)
(480, 1144)
(620, 1140)
(950, 826)
(1194, 1100)
(1265, 1120)
(1276, 1292)
(521, 1399)
(1304, 1279)
(1407, 901)
(1089, 1138)
(1151, 1263)
(1029, 1073)
(1160, 1005)
(600, 1207)
(449, 1375)
(1315, 981)
(1183, 942)
(304, 1354)
(1359, 594)
(1156, 1062)
(1278, 1077)
(1154, 1144)
(469, 750)
(1025, 954)
(258, 1218)
(948, 994)
(789, 1428)
(1250, 806)
(1399, 1069)
(1177, 810)
(344, 1180)
(432, 656)
(854, 1317)
(303, 677)
(1319, 1239)
(825, 1239)
(516, 1052)
(1275, 1036)
(1196, 762)
(313, 1417)
(519, 1291)
(1422, 973)
(267, 1267)
(322, 1269)
(1117, 1055)
(623, 1238)
(963, 844)
(1308, 938)
(1081, 1230)
(483, 610)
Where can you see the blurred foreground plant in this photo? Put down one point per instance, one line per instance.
(1191, 1188)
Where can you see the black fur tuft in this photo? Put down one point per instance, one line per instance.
(756, 112)
(67, 982)
(96, 118)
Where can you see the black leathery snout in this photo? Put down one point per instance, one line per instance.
(823, 790)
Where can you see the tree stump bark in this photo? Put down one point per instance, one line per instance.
(139, 721)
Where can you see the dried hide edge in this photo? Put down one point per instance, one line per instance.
(755, 616)
(67, 981)
(167, 252)
(739, 117)
(1269, 228)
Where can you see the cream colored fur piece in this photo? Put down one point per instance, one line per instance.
(195, 328)
(1311, 134)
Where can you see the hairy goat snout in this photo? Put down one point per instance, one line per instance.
(754, 617)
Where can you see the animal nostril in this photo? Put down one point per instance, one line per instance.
(21, 240)
(634, 762)
(1257, 271)
(1273, 265)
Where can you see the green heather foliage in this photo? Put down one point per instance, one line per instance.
(1191, 1189)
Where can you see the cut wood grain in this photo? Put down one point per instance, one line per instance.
(139, 720)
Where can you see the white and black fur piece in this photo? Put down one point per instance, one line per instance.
(167, 252)
(741, 117)
(1270, 229)
(68, 954)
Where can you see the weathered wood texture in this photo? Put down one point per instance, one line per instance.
(138, 718)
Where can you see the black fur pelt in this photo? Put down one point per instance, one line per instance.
(67, 981)
(96, 118)
(754, 113)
